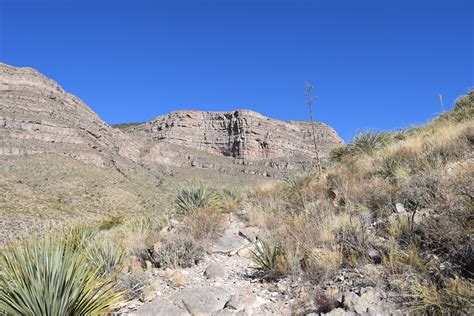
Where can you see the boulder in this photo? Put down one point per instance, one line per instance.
(202, 300)
(161, 307)
(214, 271)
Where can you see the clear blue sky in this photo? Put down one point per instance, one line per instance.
(375, 64)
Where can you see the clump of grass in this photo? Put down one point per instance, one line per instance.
(204, 225)
(456, 298)
(230, 200)
(178, 252)
(196, 197)
(46, 277)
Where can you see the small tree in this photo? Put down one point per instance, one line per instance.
(309, 95)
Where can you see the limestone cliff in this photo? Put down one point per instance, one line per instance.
(38, 117)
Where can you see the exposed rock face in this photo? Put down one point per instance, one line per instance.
(38, 116)
(239, 134)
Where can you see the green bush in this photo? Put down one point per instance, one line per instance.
(196, 197)
(47, 277)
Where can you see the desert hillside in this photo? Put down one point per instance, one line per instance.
(61, 163)
(385, 228)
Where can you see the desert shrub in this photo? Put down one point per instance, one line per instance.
(103, 255)
(178, 252)
(268, 256)
(463, 109)
(455, 299)
(325, 302)
(230, 200)
(204, 225)
(110, 222)
(196, 197)
(46, 277)
(132, 284)
(339, 153)
(389, 168)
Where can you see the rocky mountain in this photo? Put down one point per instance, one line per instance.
(38, 116)
(240, 134)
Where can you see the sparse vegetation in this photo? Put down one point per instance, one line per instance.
(391, 200)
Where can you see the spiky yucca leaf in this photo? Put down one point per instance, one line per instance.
(103, 255)
(265, 255)
(46, 277)
(196, 197)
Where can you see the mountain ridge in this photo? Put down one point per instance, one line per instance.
(38, 116)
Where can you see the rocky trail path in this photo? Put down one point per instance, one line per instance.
(224, 283)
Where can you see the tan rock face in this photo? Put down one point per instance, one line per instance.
(240, 134)
(38, 116)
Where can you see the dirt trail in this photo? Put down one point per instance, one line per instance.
(223, 283)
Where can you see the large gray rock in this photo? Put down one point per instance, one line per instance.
(214, 271)
(202, 300)
(161, 307)
(230, 242)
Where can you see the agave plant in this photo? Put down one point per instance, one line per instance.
(196, 197)
(46, 277)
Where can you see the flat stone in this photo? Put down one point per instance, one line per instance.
(229, 242)
(161, 307)
(339, 312)
(202, 300)
(245, 302)
(214, 271)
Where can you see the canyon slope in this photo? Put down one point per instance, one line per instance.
(37, 116)
(59, 161)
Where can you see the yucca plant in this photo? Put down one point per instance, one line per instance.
(367, 142)
(266, 256)
(103, 255)
(78, 235)
(196, 197)
(46, 277)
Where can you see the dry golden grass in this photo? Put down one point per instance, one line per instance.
(332, 221)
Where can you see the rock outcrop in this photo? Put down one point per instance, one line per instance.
(37, 116)
(241, 134)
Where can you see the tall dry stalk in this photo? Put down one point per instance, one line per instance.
(309, 94)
